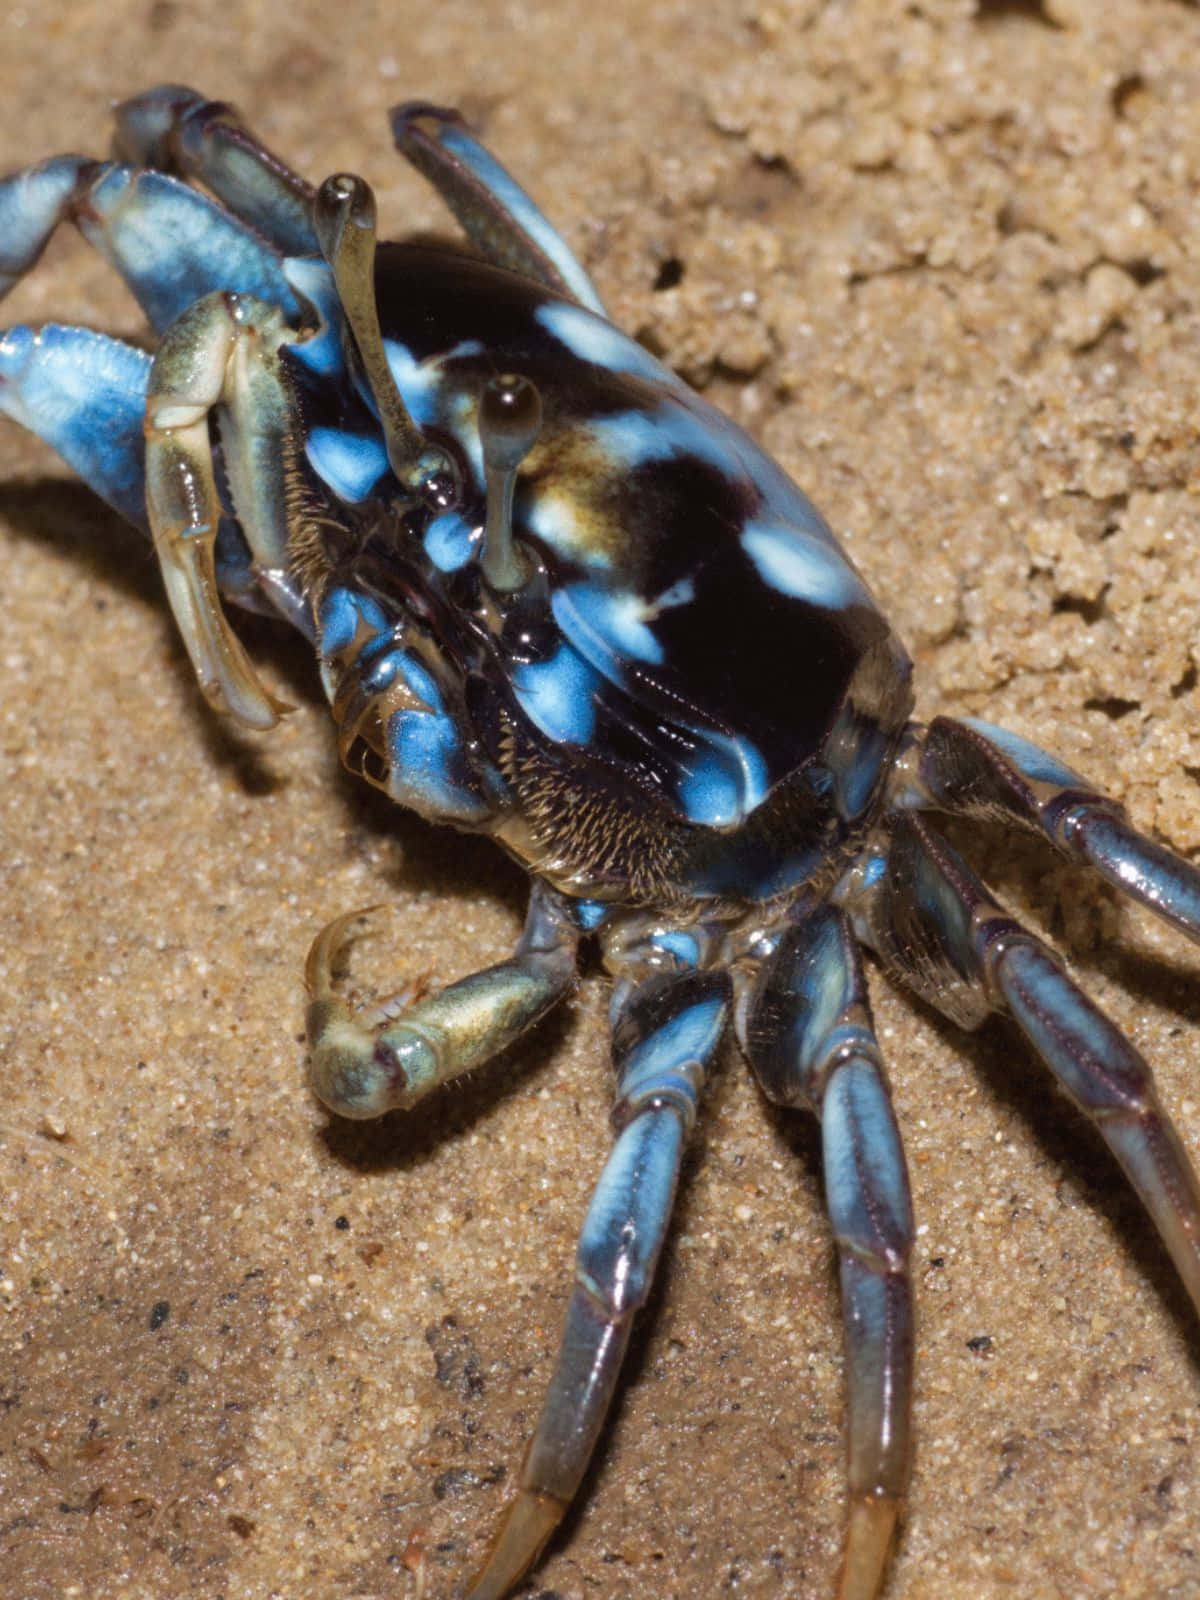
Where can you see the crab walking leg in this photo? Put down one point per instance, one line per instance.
(364, 1065)
(169, 244)
(666, 1034)
(219, 356)
(809, 1037)
(974, 769)
(174, 129)
(85, 395)
(937, 928)
(490, 205)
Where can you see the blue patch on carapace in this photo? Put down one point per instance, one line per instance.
(554, 518)
(417, 381)
(463, 350)
(605, 626)
(724, 781)
(676, 594)
(681, 425)
(557, 695)
(802, 566)
(591, 338)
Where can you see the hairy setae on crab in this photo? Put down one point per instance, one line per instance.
(558, 599)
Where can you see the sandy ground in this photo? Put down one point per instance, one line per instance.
(944, 261)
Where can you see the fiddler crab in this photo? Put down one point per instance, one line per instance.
(558, 599)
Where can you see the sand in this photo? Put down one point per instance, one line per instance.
(944, 261)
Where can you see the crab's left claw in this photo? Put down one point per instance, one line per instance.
(366, 1064)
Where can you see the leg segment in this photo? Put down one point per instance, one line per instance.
(174, 129)
(665, 1037)
(809, 1037)
(219, 355)
(363, 1066)
(974, 769)
(936, 927)
(492, 208)
(169, 244)
(85, 395)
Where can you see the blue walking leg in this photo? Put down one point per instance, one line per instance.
(666, 1034)
(938, 929)
(490, 205)
(85, 395)
(974, 769)
(174, 129)
(809, 1037)
(170, 245)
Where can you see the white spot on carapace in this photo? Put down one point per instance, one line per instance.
(802, 566)
(592, 339)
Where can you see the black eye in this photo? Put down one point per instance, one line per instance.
(440, 489)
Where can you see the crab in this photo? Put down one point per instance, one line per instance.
(558, 599)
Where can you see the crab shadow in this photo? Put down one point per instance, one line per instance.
(64, 517)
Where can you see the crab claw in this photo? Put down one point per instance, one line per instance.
(364, 1063)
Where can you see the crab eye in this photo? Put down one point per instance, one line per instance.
(510, 419)
(344, 219)
(440, 489)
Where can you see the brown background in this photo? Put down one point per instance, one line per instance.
(944, 260)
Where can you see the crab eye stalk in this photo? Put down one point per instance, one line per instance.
(344, 220)
(510, 419)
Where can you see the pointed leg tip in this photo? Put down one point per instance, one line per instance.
(528, 1522)
(868, 1543)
